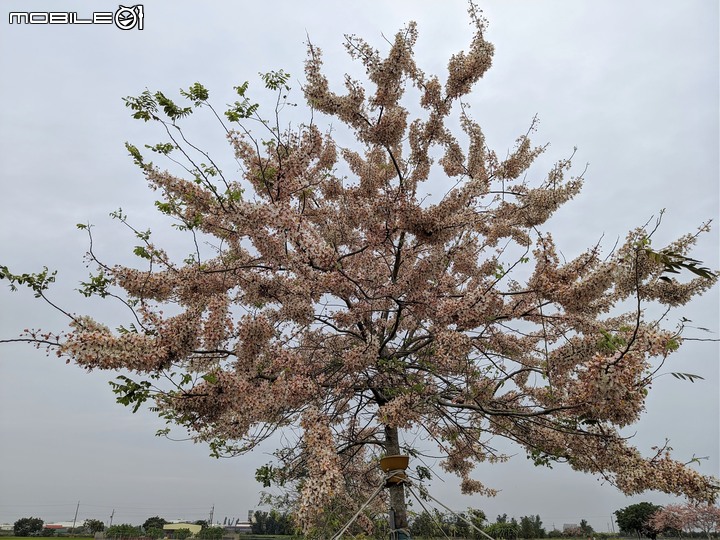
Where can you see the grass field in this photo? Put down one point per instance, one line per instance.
(4, 537)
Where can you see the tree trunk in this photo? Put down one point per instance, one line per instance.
(397, 491)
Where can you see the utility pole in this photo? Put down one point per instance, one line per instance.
(76, 513)
(212, 511)
(111, 516)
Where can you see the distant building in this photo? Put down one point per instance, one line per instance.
(6, 527)
(61, 527)
(570, 527)
(170, 527)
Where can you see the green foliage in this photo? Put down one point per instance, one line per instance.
(266, 475)
(124, 530)
(611, 342)
(633, 519)
(424, 473)
(540, 458)
(585, 527)
(272, 522)
(241, 109)
(503, 530)
(438, 524)
(141, 252)
(135, 154)
(97, 285)
(182, 534)
(37, 282)
(155, 522)
(276, 80)
(162, 148)
(29, 526)
(144, 106)
(531, 527)
(197, 93)
(154, 532)
(211, 533)
(674, 262)
(94, 525)
(687, 376)
(130, 392)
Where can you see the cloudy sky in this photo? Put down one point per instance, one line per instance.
(634, 85)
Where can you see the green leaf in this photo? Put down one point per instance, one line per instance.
(37, 282)
(673, 263)
(197, 93)
(130, 392)
(136, 155)
(97, 285)
(210, 378)
(687, 377)
(140, 251)
(275, 80)
(144, 106)
(162, 148)
(170, 108)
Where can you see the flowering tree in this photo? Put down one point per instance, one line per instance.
(673, 517)
(687, 517)
(335, 296)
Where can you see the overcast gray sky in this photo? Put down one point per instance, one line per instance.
(634, 85)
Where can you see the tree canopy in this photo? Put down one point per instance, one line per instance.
(94, 525)
(329, 291)
(124, 530)
(30, 526)
(154, 522)
(678, 518)
(636, 519)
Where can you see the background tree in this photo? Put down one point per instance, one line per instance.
(478, 518)
(154, 522)
(182, 534)
(502, 530)
(213, 533)
(436, 523)
(635, 519)
(124, 530)
(531, 527)
(202, 522)
(94, 525)
(336, 294)
(155, 532)
(706, 518)
(585, 528)
(676, 518)
(526, 529)
(572, 531)
(258, 522)
(670, 519)
(29, 526)
(422, 524)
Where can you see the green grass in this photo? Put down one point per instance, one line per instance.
(44, 537)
